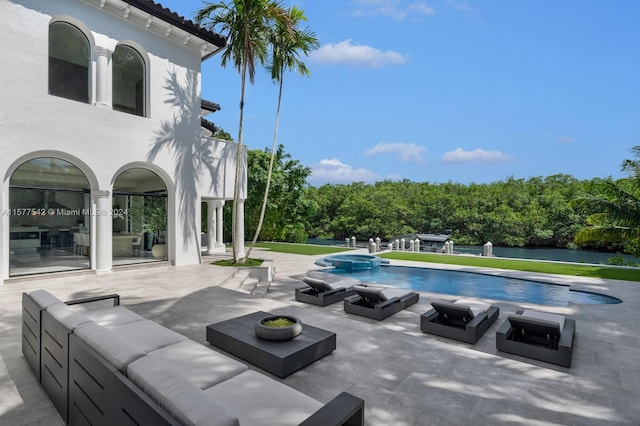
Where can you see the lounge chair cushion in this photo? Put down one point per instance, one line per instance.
(475, 306)
(43, 298)
(147, 335)
(198, 364)
(377, 294)
(181, 398)
(114, 349)
(113, 316)
(322, 285)
(272, 403)
(545, 316)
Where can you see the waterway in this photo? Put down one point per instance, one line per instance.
(554, 254)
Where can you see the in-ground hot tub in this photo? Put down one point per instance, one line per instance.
(351, 262)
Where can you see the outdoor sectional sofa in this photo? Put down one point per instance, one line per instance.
(379, 302)
(322, 293)
(111, 366)
(463, 320)
(538, 335)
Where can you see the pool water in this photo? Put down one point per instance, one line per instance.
(471, 284)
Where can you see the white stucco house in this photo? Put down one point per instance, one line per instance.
(104, 158)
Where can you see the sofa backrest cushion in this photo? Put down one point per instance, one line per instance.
(117, 351)
(43, 298)
(317, 284)
(179, 397)
(68, 316)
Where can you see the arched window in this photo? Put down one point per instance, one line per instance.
(69, 59)
(128, 80)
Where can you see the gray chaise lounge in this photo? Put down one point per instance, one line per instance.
(379, 302)
(538, 335)
(463, 320)
(322, 293)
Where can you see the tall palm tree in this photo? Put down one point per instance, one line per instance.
(247, 24)
(287, 44)
(615, 209)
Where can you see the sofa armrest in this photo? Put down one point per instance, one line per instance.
(475, 321)
(115, 297)
(344, 409)
(566, 337)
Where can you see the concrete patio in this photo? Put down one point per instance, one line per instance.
(406, 377)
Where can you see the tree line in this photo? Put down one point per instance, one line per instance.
(535, 212)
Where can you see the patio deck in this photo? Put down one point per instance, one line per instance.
(406, 377)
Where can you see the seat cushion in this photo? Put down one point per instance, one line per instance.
(546, 316)
(107, 343)
(147, 335)
(113, 316)
(181, 398)
(202, 366)
(259, 400)
(43, 298)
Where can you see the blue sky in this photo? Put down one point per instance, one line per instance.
(465, 91)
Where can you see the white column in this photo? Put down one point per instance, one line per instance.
(240, 235)
(103, 237)
(220, 223)
(214, 227)
(102, 76)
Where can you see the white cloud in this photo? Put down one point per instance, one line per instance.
(345, 52)
(406, 152)
(334, 171)
(461, 6)
(395, 9)
(566, 139)
(477, 155)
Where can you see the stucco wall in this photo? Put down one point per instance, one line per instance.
(100, 141)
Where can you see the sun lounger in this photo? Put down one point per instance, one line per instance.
(538, 335)
(322, 293)
(463, 320)
(379, 302)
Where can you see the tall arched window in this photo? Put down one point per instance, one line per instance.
(128, 80)
(69, 59)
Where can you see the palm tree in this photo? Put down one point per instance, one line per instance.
(616, 209)
(287, 43)
(247, 25)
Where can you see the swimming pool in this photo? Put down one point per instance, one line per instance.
(471, 284)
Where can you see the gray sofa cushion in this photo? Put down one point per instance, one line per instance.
(259, 400)
(322, 285)
(147, 335)
(117, 351)
(202, 366)
(113, 316)
(68, 316)
(182, 399)
(43, 298)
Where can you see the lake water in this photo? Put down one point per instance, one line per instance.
(555, 254)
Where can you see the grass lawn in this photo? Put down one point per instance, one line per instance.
(308, 249)
(574, 269)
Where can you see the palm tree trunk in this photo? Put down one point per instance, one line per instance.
(271, 161)
(238, 177)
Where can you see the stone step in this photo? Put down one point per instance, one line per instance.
(234, 282)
